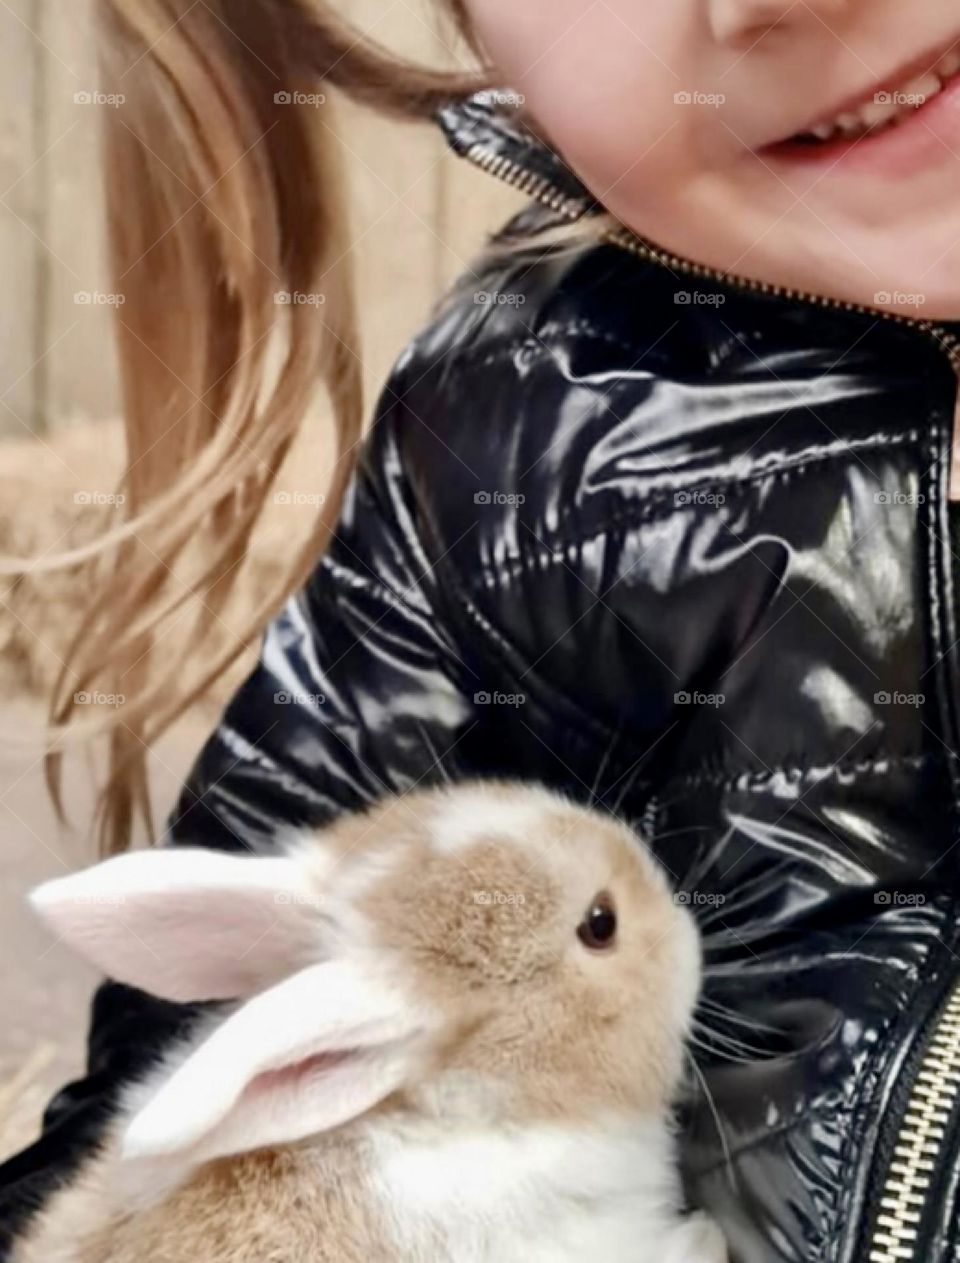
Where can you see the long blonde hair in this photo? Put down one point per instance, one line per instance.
(219, 196)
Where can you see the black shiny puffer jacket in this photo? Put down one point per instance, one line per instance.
(702, 529)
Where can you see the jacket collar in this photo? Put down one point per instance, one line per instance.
(492, 120)
(491, 123)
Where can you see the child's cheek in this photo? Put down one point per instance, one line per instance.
(606, 85)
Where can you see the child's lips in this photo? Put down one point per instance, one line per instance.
(928, 135)
(928, 72)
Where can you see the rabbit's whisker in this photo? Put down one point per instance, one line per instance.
(602, 767)
(711, 1104)
(725, 1046)
(731, 1015)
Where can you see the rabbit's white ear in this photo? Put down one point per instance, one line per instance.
(187, 923)
(310, 1054)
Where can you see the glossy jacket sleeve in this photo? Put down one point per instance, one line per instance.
(358, 688)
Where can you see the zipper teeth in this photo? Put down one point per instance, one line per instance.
(572, 208)
(936, 1088)
(518, 177)
(920, 1142)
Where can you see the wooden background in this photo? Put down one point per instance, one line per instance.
(420, 213)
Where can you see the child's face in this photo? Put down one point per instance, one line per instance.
(874, 220)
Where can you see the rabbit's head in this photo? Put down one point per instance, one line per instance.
(482, 951)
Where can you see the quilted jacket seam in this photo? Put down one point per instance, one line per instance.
(862, 1094)
(371, 585)
(566, 711)
(662, 504)
(508, 345)
(754, 781)
(940, 593)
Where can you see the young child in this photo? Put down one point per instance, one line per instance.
(662, 516)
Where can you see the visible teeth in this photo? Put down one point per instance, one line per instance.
(921, 89)
(878, 112)
(891, 107)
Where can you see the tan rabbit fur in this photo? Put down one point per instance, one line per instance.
(528, 1052)
(272, 1206)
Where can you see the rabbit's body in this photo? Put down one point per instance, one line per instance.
(391, 1189)
(271, 1206)
(459, 1029)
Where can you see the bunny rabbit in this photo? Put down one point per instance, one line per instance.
(455, 1029)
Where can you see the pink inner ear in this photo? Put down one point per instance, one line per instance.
(307, 1055)
(292, 1075)
(189, 924)
(305, 1098)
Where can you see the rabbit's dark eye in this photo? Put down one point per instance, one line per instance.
(598, 929)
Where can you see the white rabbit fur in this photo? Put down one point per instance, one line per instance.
(424, 1062)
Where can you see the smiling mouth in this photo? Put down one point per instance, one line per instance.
(884, 109)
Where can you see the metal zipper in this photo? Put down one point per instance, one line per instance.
(920, 1142)
(921, 1133)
